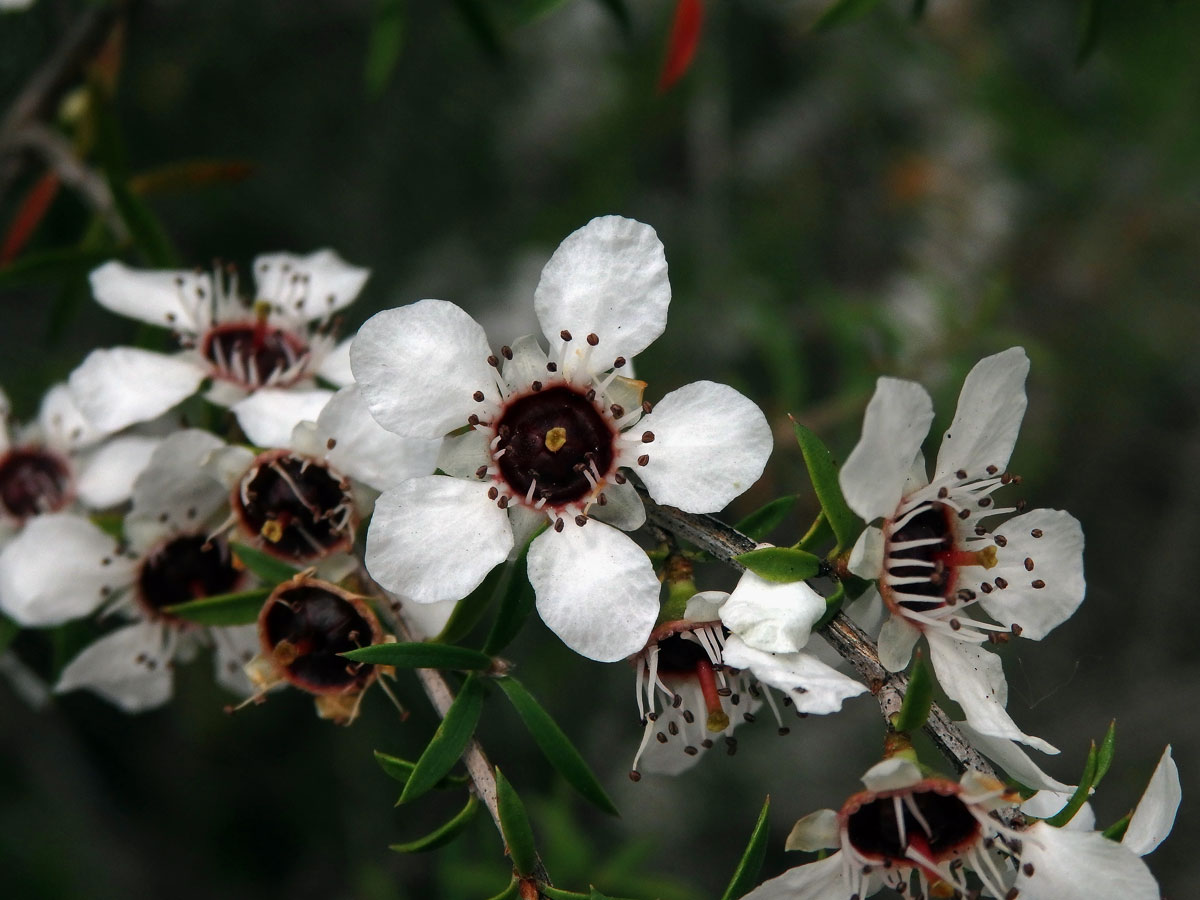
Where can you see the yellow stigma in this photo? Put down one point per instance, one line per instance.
(273, 531)
(941, 890)
(987, 557)
(285, 653)
(262, 309)
(556, 437)
(717, 721)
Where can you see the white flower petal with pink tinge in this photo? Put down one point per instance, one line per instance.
(169, 299)
(896, 422)
(122, 386)
(988, 417)
(419, 366)
(54, 570)
(974, 678)
(596, 589)
(1065, 864)
(312, 286)
(461, 455)
(1155, 814)
(177, 491)
(64, 426)
(335, 367)
(820, 880)
(107, 474)
(710, 444)
(813, 687)
(609, 278)
(269, 415)
(1015, 761)
(897, 637)
(776, 618)
(127, 667)
(623, 508)
(435, 538)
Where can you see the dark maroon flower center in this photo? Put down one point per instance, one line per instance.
(304, 627)
(253, 354)
(678, 655)
(931, 561)
(553, 440)
(185, 568)
(297, 505)
(874, 829)
(33, 481)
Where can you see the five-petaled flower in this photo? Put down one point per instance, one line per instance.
(933, 558)
(544, 438)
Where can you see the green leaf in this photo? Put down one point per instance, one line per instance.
(443, 835)
(555, 745)
(388, 26)
(1089, 31)
(559, 894)
(1116, 831)
(516, 602)
(448, 742)
(421, 656)
(745, 876)
(512, 892)
(147, 232)
(917, 699)
(468, 610)
(8, 632)
(514, 822)
(1104, 755)
(402, 769)
(781, 564)
(823, 473)
(270, 570)
(833, 605)
(819, 533)
(1067, 813)
(241, 608)
(764, 520)
(843, 11)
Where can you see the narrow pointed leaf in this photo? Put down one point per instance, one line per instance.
(30, 212)
(270, 570)
(388, 27)
(555, 745)
(1067, 813)
(512, 892)
(420, 655)
(1116, 831)
(470, 609)
(745, 876)
(843, 11)
(818, 534)
(147, 232)
(514, 821)
(781, 564)
(402, 769)
(833, 606)
(760, 523)
(918, 698)
(822, 471)
(682, 42)
(448, 742)
(241, 608)
(516, 602)
(443, 835)
(1104, 755)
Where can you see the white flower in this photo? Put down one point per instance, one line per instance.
(63, 567)
(548, 438)
(711, 676)
(262, 357)
(933, 558)
(932, 837)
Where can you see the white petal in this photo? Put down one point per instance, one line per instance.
(434, 538)
(127, 667)
(528, 364)
(869, 611)
(609, 278)
(118, 387)
(335, 367)
(897, 637)
(269, 415)
(895, 424)
(419, 367)
(65, 427)
(596, 589)
(165, 298)
(710, 444)
(176, 491)
(819, 880)
(311, 286)
(974, 678)
(461, 455)
(233, 648)
(227, 464)
(669, 758)
(777, 618)
(1058, 564)
(623, 507)
(705, 606)
(106, 476)
(866, 556)
(1013, 760)
(812, 686)
(1080, 865)
(365, 451)
(816, 831)
(988, 417)
(427, 619)
(892, 774)
(1155, 814)
(54, 571)
(524, 522)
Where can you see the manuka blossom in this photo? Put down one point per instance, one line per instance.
(262, 356)
(63, 567)
(539, 438)
(927, 836)
(710, 678)
(934, 558)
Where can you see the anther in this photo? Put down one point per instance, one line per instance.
(551, 367)
(579, 520)
(960, 474)
(619, 362)
(662, 738)
(643, 459)
(985, 501)
(536, 386)
(493, 493)
(493, 362)
(1017, 630)
(964, 513)
(619, 478)
(689, 716)
(749, 717)
(1020, 505)
(1037, 533)
(478, 395)
(690, 750)
(955, 625)
(992, 470)
(1001, 540)
(565, 335)
(617, 410)
(647, 408)
(676, 702)
(590, 395)
(1027, 868)
(593, 339)
(647, 437)
(784, 731)
(943, 493)
(1028, 564)
(472, 419)
(635, 775)
(506, 352)
(559, 524)
(986, 588)
(602, 500)
(481, 471)
(1037, 584)
(980, 531)
(1001, 583)
(706, 743)
(503, 502)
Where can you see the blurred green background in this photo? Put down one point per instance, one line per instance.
(885, 197)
